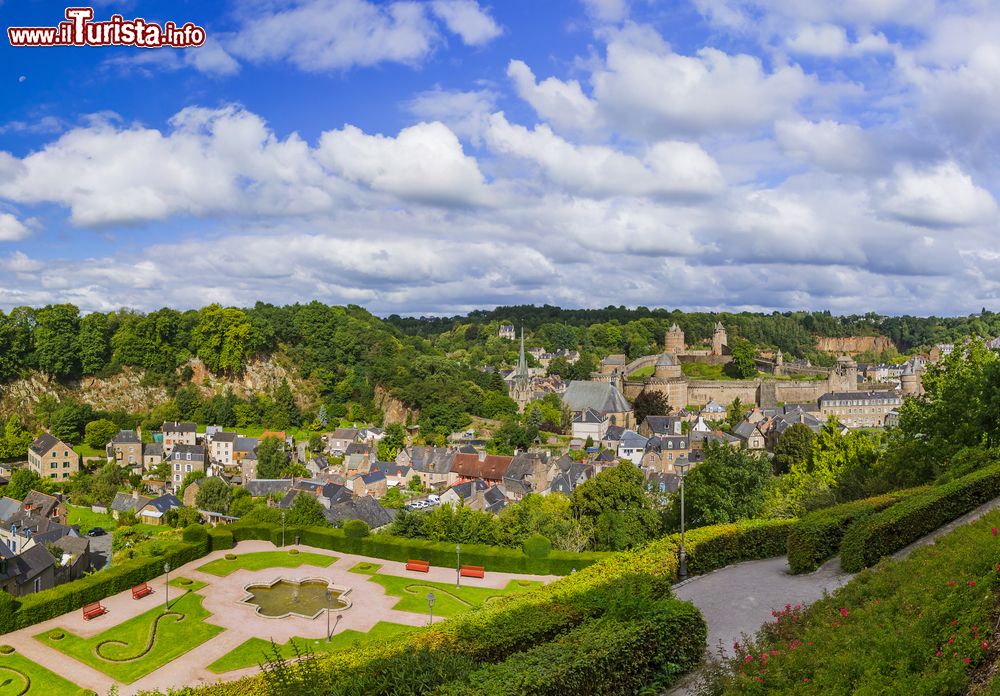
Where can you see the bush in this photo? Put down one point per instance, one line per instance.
(536, 547)
(230, 556)
(57, 635)
(6, 649)
(896, 527)
(195, 534)
(817, 536)
(719, 545)
(221, 538)
(293, 552)
(355, 529)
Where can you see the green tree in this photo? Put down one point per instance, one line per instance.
(271, 458)
(794, 448)
(16, 440)
(742, 366)
(306, 511)
(390, 445)
(22, 482)
(213, 495)
(98, 433)
(617, 495)
(57, 349)
(69, 420)
(650, 403)
(190, 478)
(729, 485)
(95, 343)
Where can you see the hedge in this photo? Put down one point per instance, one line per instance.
(608, 655)
(437, 553)
(34, 608)
(817, 536)
(220, 538)
(886, 532)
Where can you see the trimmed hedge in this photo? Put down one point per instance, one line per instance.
(25, 611)
(886, 532)
(220, 538)
(608, 655)
(817, 536)
(437, 553)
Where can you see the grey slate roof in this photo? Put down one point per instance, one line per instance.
(125, 437)
(224, 436)
(178, 427)
(632, 440)
(494, 500)
(600, 396)
(432, 460)
(588, 416)
(258, 488)
(165, 502)
(465, 490)
(153, 450)
(180, 453)
(43, 443)
(124, 502)
(661, 425)
(245, 444)
(363, 508)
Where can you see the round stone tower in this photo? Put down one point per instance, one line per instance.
(719, 340)
(667, 367)
(910, 381)
(673, 340)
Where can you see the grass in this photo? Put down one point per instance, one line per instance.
(254, 651)
(265, 559)
(85, 450)
(643, 372)
(18, 673)
(922, 626)
(366, 568)
(188, 584)
(88, 519)
(697, 370)
(449, 600)
(133, 649)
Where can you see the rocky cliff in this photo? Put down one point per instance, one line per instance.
(395, 410)
(852, 345)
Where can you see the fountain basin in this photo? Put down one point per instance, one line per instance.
(306, 597)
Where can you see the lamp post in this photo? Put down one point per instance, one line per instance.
(458, 565)
(430, 607)
(282, 529)
(166, 588)
(682, 570)
(329, 598)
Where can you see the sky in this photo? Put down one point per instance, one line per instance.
(442, 156)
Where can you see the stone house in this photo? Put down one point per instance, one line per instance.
(589, 423)
(373, 484)
(153, 511)
(51, 458)
(480, 466)
(152, 456)
(221, 448)
(340, 439)
(126, 448)
(183, 460)
(178, 433)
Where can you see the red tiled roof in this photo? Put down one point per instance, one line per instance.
(491, 467)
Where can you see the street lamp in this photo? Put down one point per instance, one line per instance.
(329, 598)
(430, 607)
(458, 565)
(682, 468)
(282, 528)
(166, 588)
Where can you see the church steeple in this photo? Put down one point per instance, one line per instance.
(522, 362)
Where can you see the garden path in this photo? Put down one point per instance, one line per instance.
(738, 599)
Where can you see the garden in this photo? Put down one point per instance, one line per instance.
(265, 559)
(20, 676)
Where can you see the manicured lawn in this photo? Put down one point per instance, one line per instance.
(366, 568)
(18, 672)
(85, 450)
(88, 519)
(263, 560)
(137, 647)
(255, 650)
(643, 372)
(449, 600)
(188, 584)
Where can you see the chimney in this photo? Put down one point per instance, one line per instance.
(482, 455)
(135, 495)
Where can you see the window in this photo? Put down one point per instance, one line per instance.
(65, 465)
(52, 475)
(54, 465)
(53, 454)
(188, 468)
(38, 584)
(65, 453)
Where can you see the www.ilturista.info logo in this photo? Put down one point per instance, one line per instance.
(81, 30)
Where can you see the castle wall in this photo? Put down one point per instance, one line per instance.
(704, 357)
(723, 391)
(799, 392)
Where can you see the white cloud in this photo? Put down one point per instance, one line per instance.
(465, 113)
(831, 145)
(939, 196)
(820, 40)
(12, 229)
(425, 162)
(562, 103)
(607, 10)
(467, 19)
(666, 169)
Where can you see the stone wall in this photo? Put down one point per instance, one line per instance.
(852, 345)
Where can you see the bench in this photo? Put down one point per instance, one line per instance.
(471, 571)
(418, 565)
(141, 590)
(93, 610)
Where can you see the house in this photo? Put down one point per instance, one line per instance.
(51, 458)
(152, 455)
(507, 331)
(243, 447)
(153, 511)
(371, 435)
(491, 500)
(713, 411)
(395, 474)
(860, 409)
(128, 502)
(221, 448)
(338, 441)
(328, 494)
(178, 433)
(660, 425)
(431, 464)
(602, 397)
(43, 505)
(750, 435)
(612, 436)
(567, 475)
(364, 508)
(462, 493)
(486, 467)
(700, 426)
(631, 446)
(248, 465)
(527, 473)
(184, 459)
(126, 448)
(664, 450)
(589, 423)
(72, 558)
(357, 464)
(373, 484)
(28, 572)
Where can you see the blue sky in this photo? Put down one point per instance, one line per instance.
(440, 156)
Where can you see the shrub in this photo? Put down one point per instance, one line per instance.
(6, 649)
(355, 529)
(57, 635)
(221, 538)
(195, 534)
(293, 552)
(536, 546)
(886, 532)
(817, 536)
(719, 545)
(230, 556)
(185, 581)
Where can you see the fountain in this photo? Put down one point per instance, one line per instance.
(306, 598)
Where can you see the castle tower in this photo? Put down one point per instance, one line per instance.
(673, 340)
(910, 381)
(844, 377)
(779, 363)
(520, 388)
(719, 340)
(667, 367)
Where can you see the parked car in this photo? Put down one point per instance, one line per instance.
(433, 499)
(96, 532)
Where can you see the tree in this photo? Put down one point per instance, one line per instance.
(69, 419)
(393, 441)
(616, 498)
(315, 442)
(22, 482)
(306, 511)
(15, 441)
(181, 517)
(415, 484)
(98, 433)
(271, 458)
(213, 495)
(57, 349)
(735, 412)
(729, 485)
(743, 365)
(322, 417)
(190, 478)
(284, 413)
(95, 343)
(650, 403)
(794, 448)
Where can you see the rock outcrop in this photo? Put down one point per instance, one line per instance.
(852, 345)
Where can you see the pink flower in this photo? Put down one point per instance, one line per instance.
(805, 679)
(972, 583)
(993, 531)
(937, 654)
(954, 622)
(951, 583)
(985, 644)
(748, 658)
(967, 660)
(974, 628)
(843, 612)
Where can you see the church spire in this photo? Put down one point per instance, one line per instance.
(522, 362)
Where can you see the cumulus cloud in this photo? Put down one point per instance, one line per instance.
(831, 145)
(831, 41)
(464, 112)
(562, 103)
(607, 10)
(938, 196)
(12, 229)
(467, 19)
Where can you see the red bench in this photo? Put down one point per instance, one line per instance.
(93, 610)
(419, 566)
(471, 571)
(141, 590)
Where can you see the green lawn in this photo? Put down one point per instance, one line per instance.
(366, 568)
(254, 651)
(135, 648)
(265, 559)
(188, 584)
(20, 676)
(88, 519)
(643, 372)
(85, 450)
(697, 370)
(449, 600)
